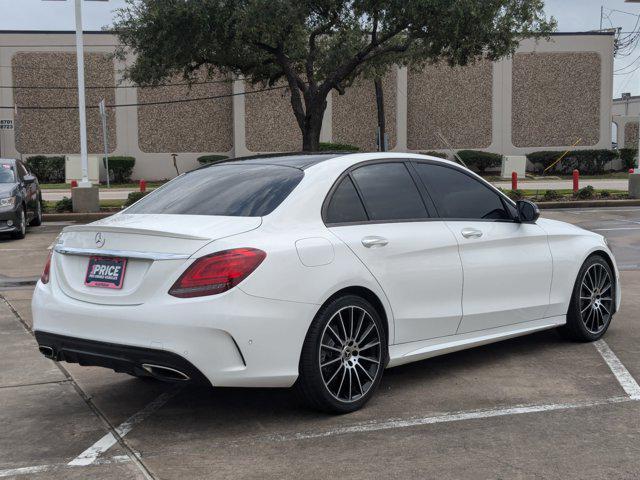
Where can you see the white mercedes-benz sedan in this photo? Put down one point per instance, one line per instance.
(316, 270)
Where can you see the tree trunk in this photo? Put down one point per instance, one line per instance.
(381, 123)
(314, 114)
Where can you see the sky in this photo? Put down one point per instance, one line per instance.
(572, 16)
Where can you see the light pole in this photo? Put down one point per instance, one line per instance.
(84, 183)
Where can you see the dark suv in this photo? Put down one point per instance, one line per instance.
(20, 198)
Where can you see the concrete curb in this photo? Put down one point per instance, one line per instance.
(590, 204)
(75, 217)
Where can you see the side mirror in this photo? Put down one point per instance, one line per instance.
(28, 179)
(528, 212)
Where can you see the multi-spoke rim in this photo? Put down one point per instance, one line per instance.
(596, 298)
(350, 354)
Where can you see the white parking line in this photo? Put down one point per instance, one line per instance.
(13, 472)
(626, 381)
(109, 440)
(449, 417)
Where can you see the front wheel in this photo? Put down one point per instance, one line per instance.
(21, 228)
(36, 221)
(592, 302)
(343, 356)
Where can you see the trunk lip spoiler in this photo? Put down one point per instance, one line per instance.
(134, 231)
(120, 253)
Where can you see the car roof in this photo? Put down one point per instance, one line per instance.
(295, 160)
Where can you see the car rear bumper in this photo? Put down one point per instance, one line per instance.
(232, 339)
(122, 358)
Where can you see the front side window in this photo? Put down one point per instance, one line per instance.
(389, 192)
(457, 195)
(234, 190)
(345, 205)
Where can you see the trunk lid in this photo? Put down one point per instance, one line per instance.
(156, 247)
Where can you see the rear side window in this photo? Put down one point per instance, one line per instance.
(233, 190)
(345, 205)
(458, 195)
(389, 192)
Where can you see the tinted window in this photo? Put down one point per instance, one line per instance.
(231, 190)
(389, 192)
(458, 195)
(345, 205)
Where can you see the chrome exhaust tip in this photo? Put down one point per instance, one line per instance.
(46, 351)
(165, 373)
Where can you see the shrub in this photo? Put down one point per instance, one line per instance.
(588, 162)
(515, 194)
(552, 195)
(208, 159)
(480, 161)
(605, 194)
(47, 169)
(433, 153)
(120, 169)
(585, 193)
(133, 197)
(64, 205)
(628, 157)
(337, 147)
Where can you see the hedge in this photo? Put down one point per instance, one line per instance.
(337, 147)
(207, 159)
(480, 161)
(628, 157)
(120, 168)
(588, 162)
(47, 169)
(433, 153)
(133, 197)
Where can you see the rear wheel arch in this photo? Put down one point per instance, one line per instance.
(370, 297)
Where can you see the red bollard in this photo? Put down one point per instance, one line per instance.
(576, 181)
(631, 170)
(514, 180)
(143, 186)
(74, 183)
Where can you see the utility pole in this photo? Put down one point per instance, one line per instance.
(601, 14)
(81, 100)
(381, 133)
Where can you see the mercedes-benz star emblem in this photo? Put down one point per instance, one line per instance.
(99, 239)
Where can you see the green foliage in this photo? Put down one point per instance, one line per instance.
(585, 193)
(64, 205)
(46, 169)
(316, 46)
(120, 169)
(515, 194)
(337, 147)
(551, 195)
(433, 153)
(480, 161)
(133, 197)
(605, 194)
(628, 157)
(207, 159)
(587, 162)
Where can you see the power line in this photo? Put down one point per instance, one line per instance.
(53, 87)
(161, 102)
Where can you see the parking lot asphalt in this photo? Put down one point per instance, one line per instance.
(531, 407)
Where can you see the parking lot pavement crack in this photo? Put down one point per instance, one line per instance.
(92, 406)
(34, 384)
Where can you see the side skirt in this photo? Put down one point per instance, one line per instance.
(410, 352)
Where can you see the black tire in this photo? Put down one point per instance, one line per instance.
(353, 353)
(590, 311)
(36, 221)
(21, 229)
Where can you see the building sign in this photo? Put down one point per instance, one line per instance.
(6, 124)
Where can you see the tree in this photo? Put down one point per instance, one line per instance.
(316, 46)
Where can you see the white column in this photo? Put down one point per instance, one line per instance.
(81, 102)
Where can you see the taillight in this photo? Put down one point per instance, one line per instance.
(217, 273)
(44, 278)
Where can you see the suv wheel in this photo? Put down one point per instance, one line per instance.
(21, 229)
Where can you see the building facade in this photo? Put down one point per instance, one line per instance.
(550, 95)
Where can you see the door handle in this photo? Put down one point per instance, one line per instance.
(374, 242)
(471, 233)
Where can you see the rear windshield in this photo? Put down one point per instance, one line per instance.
(233, 190)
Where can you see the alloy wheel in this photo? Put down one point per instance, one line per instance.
(596, 298)
(23, 223)
(350, 354)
